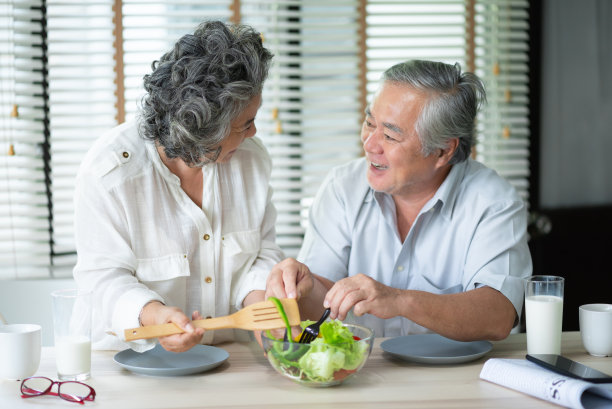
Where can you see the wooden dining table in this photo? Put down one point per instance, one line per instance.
(246, 380)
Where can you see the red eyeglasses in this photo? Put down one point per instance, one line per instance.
(71, 391)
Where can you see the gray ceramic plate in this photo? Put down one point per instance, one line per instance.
(435, 349)
(159, 362)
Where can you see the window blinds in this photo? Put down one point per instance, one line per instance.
(502, 61)
(24, 226)
(150, 28)
(81, 102)
(312, 103)
(404, 30)
(310, 116)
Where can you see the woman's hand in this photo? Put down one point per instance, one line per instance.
(289, 279)
(157, 313)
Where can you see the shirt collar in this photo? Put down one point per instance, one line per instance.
(446, 195)
(159, 164)
(162, 168)
(448, 190)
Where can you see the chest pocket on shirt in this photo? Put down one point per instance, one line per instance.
(421, 282)
(162, 268)
(167, 276)
(240, 249)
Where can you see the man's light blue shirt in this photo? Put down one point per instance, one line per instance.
(472, 232)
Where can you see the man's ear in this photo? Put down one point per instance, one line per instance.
(445, 155)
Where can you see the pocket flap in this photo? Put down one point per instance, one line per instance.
(242, 242)
(163, 268)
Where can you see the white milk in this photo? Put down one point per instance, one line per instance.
(73, 355)
(544, 315)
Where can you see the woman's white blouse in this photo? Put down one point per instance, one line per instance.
(139, 237)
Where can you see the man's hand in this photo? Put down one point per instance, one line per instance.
(482, 313)
(292, 279)
(289, 279)
(158, 313)
(365, 295)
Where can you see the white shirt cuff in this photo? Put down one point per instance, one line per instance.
(126, 313)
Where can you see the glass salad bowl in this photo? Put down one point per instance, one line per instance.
(339, 352)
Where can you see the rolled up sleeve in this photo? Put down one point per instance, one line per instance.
(499, 256)
(106, 266)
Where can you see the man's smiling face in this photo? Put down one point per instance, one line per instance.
(392, 147)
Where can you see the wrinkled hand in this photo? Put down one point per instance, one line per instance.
(158, 313)
(365, 295)
(289, 279)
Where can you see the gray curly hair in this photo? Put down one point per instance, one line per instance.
(453, 102)
(199, 87)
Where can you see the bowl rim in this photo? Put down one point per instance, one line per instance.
(370, 337)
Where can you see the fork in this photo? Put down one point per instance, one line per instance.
(311, 332)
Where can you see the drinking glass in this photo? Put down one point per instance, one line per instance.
(72, 328)
(544, 313)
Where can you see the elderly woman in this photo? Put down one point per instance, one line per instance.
(173, 211)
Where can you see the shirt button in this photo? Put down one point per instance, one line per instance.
(206, 236)
(126, 154)
(208, 280)
(400, 268)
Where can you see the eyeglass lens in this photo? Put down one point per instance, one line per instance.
(69, 390)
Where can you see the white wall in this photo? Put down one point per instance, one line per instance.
(29, 302)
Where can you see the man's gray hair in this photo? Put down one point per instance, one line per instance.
(453, 99)
(199, 87)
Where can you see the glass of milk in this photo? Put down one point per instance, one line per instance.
(72, 328)
(544, 314)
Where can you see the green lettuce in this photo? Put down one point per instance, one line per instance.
(335, 349)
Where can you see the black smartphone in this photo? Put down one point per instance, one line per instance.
(567, 367)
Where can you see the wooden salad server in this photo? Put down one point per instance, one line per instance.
(258, 316)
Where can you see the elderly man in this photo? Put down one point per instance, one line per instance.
(416, 236)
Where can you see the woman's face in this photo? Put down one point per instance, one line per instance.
(241, 128)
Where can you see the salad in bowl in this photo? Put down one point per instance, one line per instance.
(337, 353)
